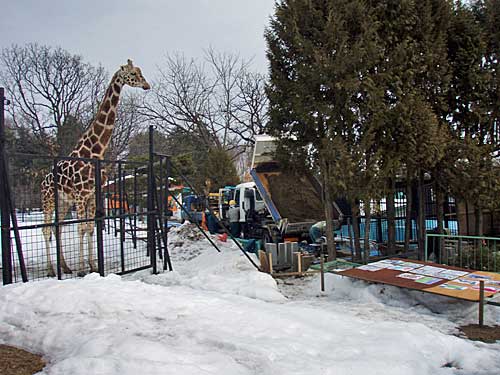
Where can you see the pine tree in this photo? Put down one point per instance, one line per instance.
(320, 54)
(413, 74)
(474, 105)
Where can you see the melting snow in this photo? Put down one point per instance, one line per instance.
(215, 314)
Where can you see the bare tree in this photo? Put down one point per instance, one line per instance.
(47, 85)
(128, 123)
(250, 108)
(219, 100)
(179, 97)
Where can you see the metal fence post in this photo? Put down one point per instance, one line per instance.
(4, 204)
(322, 260)
(166, 256)
(99, 215)
(134, 230)
(151, 215)
(108, 213)
(113, 205)
(55, 174)
(481, 303)
(121, 211)
(158, 204)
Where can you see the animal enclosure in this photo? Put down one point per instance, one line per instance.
(123, 229)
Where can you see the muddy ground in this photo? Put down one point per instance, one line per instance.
(489, 334)
(14, 361)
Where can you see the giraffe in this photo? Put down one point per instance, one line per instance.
(76, 178)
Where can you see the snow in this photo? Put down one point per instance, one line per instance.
(34, 250)
(215, 314)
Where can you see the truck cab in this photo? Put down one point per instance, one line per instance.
(248, 198)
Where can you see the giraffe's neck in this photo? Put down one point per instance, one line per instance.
(95, 141)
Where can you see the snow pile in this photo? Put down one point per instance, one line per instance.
(216, 314)
(198, 265)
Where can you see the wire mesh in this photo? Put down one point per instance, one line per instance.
(65, 242)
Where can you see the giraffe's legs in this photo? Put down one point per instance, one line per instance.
(80, 208)
(64, 265)
(47, 233)
(64, 207)
(90, 234)
(84, 207)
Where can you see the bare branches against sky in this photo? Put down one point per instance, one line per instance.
(109, 32)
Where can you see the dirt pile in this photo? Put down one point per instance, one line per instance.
(295, 197)
(188, 232)
(14, 361)
(488, 334)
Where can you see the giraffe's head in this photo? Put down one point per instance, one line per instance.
(132, 76)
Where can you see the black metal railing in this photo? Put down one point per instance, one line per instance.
(122, 228)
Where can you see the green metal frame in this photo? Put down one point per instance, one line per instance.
(480, 239)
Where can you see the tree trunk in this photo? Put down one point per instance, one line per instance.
(368, 216)
(478, 213)
(328, 203)
(440, 220)
(421, 216)
(391, 219)
(408, 222)
(355, 229)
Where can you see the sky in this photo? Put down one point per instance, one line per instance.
(108, 32)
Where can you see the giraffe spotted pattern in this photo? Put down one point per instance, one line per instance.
(75, 181)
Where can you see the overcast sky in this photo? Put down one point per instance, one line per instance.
(110, 31)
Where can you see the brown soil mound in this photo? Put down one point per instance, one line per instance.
(189, 232)
(14, 361)
(486, 333)
(295, 198)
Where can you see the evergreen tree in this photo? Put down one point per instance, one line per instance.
(473, 50)
(413, 71)
(320, 53)
(219, 169)
(198, 164)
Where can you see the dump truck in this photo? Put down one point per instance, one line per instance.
(279, 204)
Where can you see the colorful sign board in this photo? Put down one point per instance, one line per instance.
(428, 277)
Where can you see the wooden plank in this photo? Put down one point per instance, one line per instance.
(453, 288)
(264, 265)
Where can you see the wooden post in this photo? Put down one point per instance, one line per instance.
(299, 262)
(270, 263)
(264, 264)
(322, 260)
(481, 303)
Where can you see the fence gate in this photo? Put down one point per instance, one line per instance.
(126, 232)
